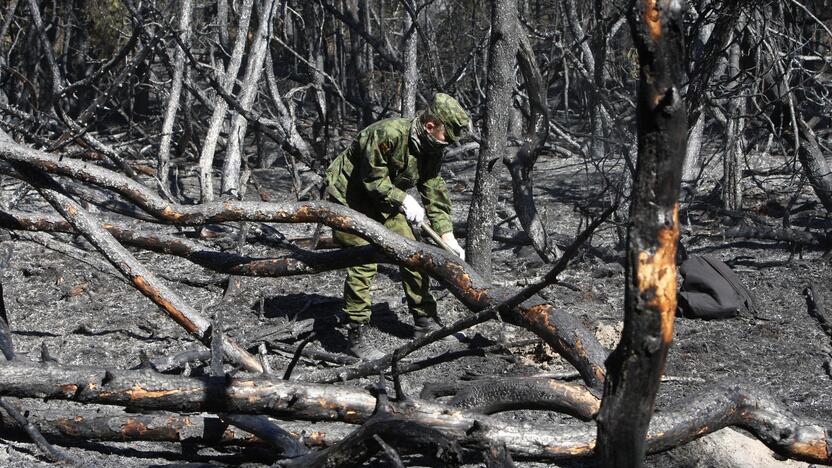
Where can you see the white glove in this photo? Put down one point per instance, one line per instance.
(449, 239)
(413, 211)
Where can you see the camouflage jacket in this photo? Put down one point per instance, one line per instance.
(382, 162)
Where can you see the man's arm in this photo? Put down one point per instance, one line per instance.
(436, 200)
(374, 171)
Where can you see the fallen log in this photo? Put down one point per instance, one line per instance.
(726, 404)
(85, 425)
(814, 239)
(297, 262)
(559, 329)
(489, 396)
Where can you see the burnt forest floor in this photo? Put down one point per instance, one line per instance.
(85, 316)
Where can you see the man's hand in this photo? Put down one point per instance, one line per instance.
(449, 239)
(413, 211)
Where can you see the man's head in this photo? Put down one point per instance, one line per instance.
(445, 119)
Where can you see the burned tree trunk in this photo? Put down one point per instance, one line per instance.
(735, 134)
(163, 167)
(521, 163)
(635, 366)
(410, 60)
(501, 51)
(248, 93)
(206, 158)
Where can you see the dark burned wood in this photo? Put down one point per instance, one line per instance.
(817, 309)
(635, 367)
(560, 330)
(502, 48)
(726, 404)
(521, 163)
(269, 432)
(6, 344)
(84, 425)
(359, 446)
(34, 434)
(815, 239)
(489, 396)
(498, 457)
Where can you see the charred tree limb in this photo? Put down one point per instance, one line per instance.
(814, 164)
(521, 163)
(559, 329)
(817, 309)
(34, 434)
(141, 277)
(573, 341)
(269, 432)
(497, 395)
(299, 262)
(725, 404)
(359, 446)
(635, 367)
(784, 235)
(60, 426)
(6, 344)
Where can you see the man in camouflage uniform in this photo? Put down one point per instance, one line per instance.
(372, 176)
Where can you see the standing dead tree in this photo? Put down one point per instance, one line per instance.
(637, 363)
(502, 47)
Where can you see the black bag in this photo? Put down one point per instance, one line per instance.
(711, 290)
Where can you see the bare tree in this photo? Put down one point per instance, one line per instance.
(502, 47)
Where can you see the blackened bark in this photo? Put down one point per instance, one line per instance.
(815, 165)
(635, 367)
(521, 163)
(6, 345)
(501, 52)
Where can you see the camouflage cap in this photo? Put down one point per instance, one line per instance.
(447, 110)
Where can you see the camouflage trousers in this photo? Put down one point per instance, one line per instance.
(416, 283)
